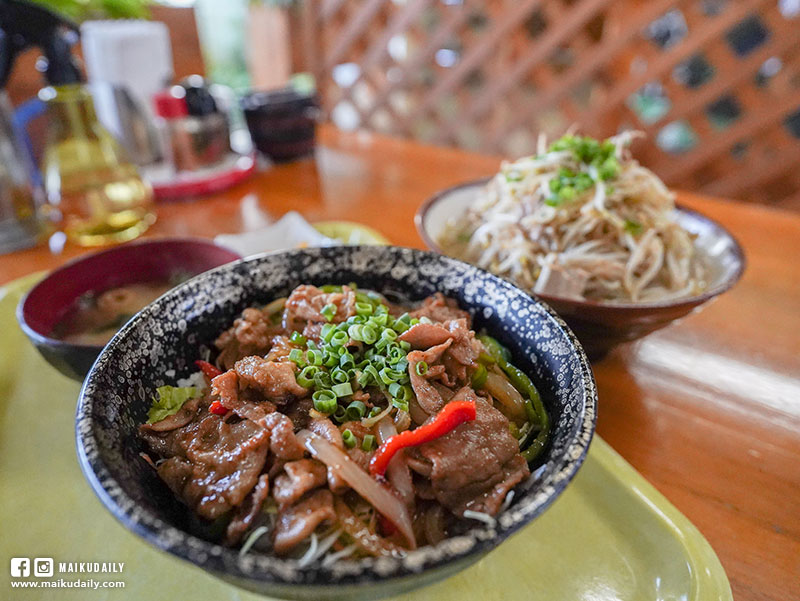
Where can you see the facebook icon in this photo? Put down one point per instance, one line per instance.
(20, 567)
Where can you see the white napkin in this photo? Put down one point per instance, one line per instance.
(290, 231)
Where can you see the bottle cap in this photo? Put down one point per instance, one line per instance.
(169, 106)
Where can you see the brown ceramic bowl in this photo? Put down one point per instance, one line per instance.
(598, 325)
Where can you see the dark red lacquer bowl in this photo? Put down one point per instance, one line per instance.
(136, 262)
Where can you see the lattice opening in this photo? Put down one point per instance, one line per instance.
(724, 111)
(747, 35)
(677, 137)
(792, 123)
(650, 103)
(668, 30)
(694, 72)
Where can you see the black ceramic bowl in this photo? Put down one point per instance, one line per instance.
(282, 123)
(175, 330)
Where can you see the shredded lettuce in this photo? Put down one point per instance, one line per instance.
(169, 400)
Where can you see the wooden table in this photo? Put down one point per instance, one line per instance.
(708, 409)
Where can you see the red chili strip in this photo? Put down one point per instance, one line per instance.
(209, 370)
(217, 408)
(450, 417)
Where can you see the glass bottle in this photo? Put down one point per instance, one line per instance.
(93, 193)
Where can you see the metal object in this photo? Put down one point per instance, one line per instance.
(19, 197)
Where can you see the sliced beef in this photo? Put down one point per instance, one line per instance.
(360, 457)
(476, 464)
(328, 430)
(465, 349)
(273, 379)
(440, 308)
(296, 523)
(283, 443)
(460, 356)
(305, 304)
(226, 387)
(300, 477)
(297, 411)
(425, 335)
(427, 397)
(251, 334)
(313, 331)
(358, 429)
(247, 513)
(211, 465)
(280, 347)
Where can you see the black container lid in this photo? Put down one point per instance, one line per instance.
(278, 102)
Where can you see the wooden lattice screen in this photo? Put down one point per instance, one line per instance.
(714, 83)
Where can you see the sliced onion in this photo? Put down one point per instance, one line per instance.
(367, 540)
(402, 421)
(378, 496)
(368, 422)
(397, 471)
(508, 396)
(418, 414)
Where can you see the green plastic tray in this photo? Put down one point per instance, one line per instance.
(611, 535)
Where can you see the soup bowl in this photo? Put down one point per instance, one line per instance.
(179, 327)
(600, 326)
(47, 303)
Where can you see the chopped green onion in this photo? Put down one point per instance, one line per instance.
(346, 360)
(296, 355)
(339, 376)
(401, 405)
(355, 411)
(339, 338)
(306, 377)
(339, 414)
(324, 401)
(369, 335)
(297, 338)
(314, 357)
(349, 439)
(329, 311)
(364, 308)
(374, 411)
(387, 375)
(341, 390)
(322, 380)
(421, 368)
(329, 359)
(327, 331)
(368, 443)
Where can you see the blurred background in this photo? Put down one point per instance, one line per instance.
(715, 84)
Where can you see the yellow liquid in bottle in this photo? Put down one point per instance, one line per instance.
(93, 193)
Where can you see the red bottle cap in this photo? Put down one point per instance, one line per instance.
(168, 106)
